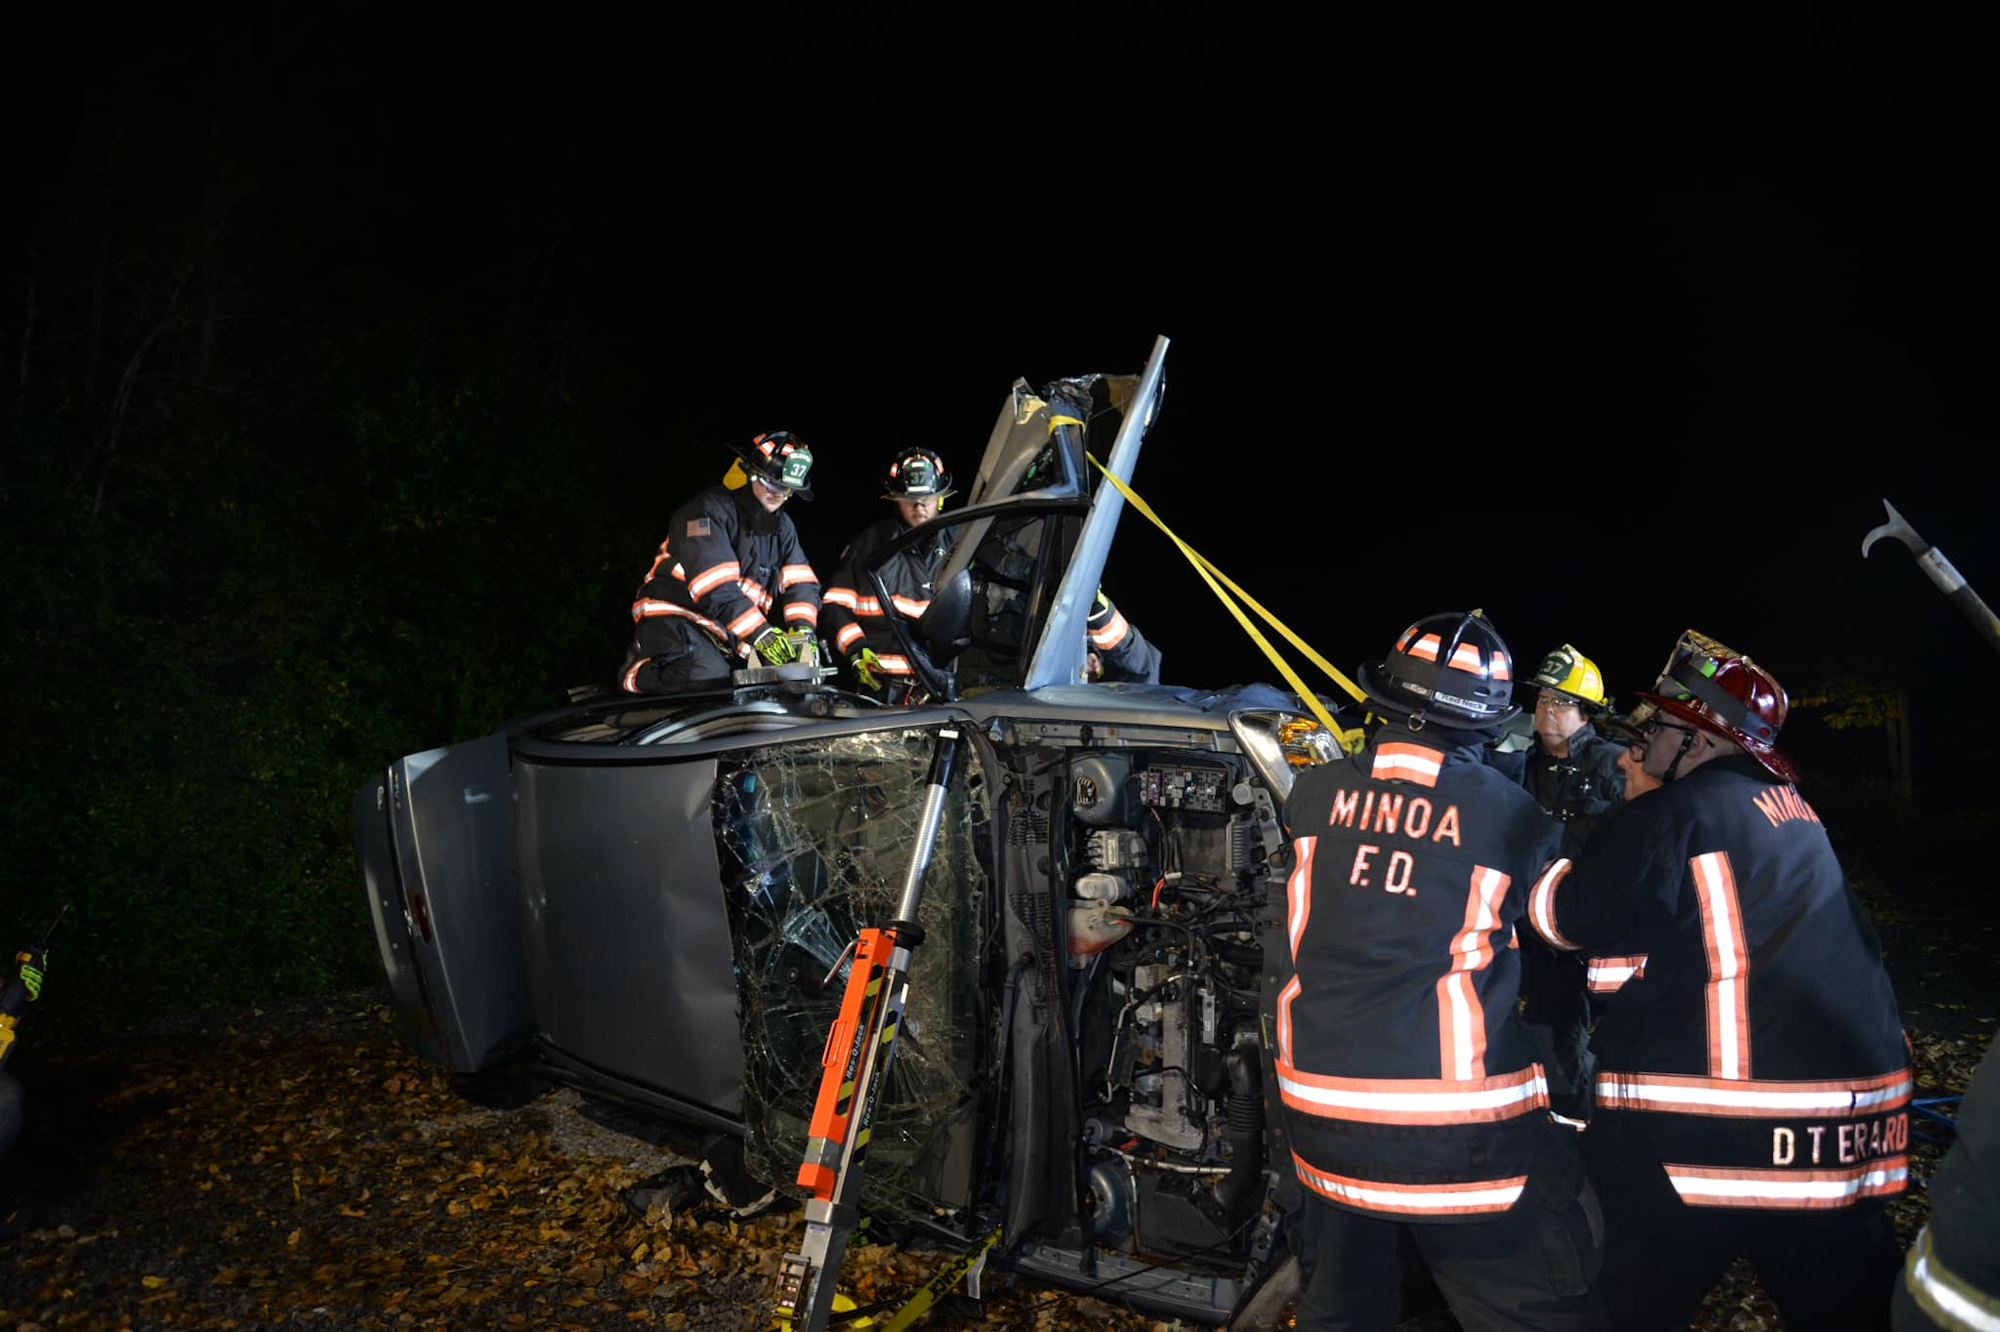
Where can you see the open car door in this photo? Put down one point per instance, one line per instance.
(1011, 604)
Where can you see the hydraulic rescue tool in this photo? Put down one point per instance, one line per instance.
(860, 1048)
(24, 986)
(1949, 580)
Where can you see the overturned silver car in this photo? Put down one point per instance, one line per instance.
(654, 899)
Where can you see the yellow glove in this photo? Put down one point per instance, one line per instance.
(866, 668)
(774, 648)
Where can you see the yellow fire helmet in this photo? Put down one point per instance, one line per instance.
(1567, 671)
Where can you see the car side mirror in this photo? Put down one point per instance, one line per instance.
(946, 625)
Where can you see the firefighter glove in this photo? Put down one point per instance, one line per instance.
(867, 669)
(774, 648)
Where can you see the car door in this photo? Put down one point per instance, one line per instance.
(1012, 600)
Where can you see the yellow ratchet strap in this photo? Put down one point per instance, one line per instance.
(940, 1285)
(1350, 740)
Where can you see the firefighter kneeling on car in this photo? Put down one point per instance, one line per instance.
(1753, 1083)
(729, 573)
(1413, 1099)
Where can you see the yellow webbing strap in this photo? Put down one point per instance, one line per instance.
(1350, 740)
(940, 1285)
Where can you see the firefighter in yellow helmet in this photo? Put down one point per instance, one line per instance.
(1573, 774)
(1570, 770)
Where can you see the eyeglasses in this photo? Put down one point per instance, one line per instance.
(1652, 726)
(1551, 702)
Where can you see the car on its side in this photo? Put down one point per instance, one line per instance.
(654, 898)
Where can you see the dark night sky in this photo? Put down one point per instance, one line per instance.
(1610, 349)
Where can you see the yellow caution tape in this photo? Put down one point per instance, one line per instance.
(1350, 740)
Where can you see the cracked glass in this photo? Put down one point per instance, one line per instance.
(815, 840)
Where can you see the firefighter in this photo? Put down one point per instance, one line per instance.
(1951, 1279)
(856, 620)
(20, 990)
(1118, 652)
(1574, 774)
(729, 573)
(1415, 1104)
(1570, 770)
(1752, 1083)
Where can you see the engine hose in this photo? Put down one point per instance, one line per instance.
(1245, 1132)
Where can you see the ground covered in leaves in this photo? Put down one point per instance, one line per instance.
(299, 1167)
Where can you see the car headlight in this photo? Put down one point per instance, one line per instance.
(1306, 742)
(1280, 743)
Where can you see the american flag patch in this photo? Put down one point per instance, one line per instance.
(697, 527)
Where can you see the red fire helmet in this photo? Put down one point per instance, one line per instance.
(1721, 690)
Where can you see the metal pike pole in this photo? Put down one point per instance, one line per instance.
(1949, 580)
(860, 1048)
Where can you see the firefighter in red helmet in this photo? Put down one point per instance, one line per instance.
(730, 579)
(1752, 1084)
(1414, 1102)
(856, 618)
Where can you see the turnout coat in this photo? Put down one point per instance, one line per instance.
(1750, 1032)
(1411, 1089)
(857, 619)
(1584, 785)
(726, 568)
(1124, 651)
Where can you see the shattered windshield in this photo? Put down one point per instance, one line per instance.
(815, 840)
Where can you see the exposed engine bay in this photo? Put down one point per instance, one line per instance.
(1158, 861)
(1164, 966)
(1123, 1067)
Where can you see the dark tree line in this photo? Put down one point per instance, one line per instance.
(289, 487)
